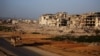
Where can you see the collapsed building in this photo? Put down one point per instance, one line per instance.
(75, 21)
(91, 20)
(82, 21)
(58, 19)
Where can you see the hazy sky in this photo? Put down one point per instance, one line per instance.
(34, 8)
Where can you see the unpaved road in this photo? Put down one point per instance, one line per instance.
(19, 51)
(24, 51)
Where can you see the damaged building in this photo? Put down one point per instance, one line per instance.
(59, 19)
(92, 20)
(77, 21)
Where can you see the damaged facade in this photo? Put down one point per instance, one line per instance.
(58, 19)
(92, 20)
(82, 21)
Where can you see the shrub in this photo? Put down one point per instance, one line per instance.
(35, 33)
(84, 38)
(88, 39)
(4, 28)
(97, 31)
(61, 38)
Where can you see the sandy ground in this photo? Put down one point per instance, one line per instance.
(72, 49)
(62, 48)
(66, 48)
(21, 50)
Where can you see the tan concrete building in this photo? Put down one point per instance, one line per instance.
(15, 21)
(75, 21)
(47, 19)
(58, 19)
(91, 20)
(82, 21)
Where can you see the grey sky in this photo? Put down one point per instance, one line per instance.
(35, 8)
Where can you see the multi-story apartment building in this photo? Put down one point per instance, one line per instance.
(91, 20)
(58, 19)
(82, 21)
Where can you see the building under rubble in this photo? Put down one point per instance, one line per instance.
(82, 21)
(58, 19)
(91, 20)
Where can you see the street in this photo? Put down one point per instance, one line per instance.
(25, 50)
(19, 51)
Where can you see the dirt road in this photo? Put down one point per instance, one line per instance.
(25, 50)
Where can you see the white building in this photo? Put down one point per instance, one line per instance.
(26, 21)
(15, 21)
